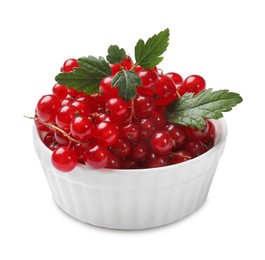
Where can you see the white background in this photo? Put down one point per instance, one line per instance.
(221, 40)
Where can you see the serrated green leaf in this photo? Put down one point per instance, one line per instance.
(192, 110)
(148, 54)
(126, 81)
(87, 76)
(115, 54)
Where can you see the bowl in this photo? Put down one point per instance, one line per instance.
(136, 198)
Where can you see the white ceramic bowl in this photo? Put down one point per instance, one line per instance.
(133, 199)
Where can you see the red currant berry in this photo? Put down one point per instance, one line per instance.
(155, 160)
(129, 164)
(69, 65)
(127, 63)
(139, 152)
(179, 156)
(193, 83)
(178, 137)
(209, 138)
(115, 68)
(159, 119)
(96, 156)
(81, 128)
(105, 87)
(117, 108)
(103, 117)
(144, 106)
(149, 80)
(65, 115)
(47, 108)
(130, 131)
(161, 143)
(195, 148)
(85, 105)
(147, 128)
(177, 79)
(114, 162)
(64, 159)
(166, 91)
(67, 101)
(121, 148)
(106, 133)
(195, 133)
(73, 92)
(60, 91)
(80, 151)
(48, 139)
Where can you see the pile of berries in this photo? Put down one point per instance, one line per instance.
(104, 130)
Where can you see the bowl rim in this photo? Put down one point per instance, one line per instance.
(221, 138)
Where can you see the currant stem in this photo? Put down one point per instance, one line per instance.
(51, 125)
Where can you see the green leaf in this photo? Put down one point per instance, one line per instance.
(115, 54)
(192, 110)
(148, 54)
(87, 76)
(126, 81)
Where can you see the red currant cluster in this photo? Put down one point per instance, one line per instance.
(104, 130)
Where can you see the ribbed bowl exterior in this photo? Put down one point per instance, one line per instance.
(133, 199)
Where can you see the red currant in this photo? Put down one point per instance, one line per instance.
(60, 91)
(159, 119)
(127, 63)
(209, 138)
(195, 148)
(47, 108)
(81, 128)
(177, 79)
(147, 128)
(114, 162)
(80, 151)
(130, 131)
(143, 106)
(178, 137)
(130, 164)
(139, 151)
(155, 160)
(69, 65)
(193, 83)
(85, 105)
(96, 156)
(73, 92)
(106, 88)
(67, 101)
(65, 115)
(179, 156)
(115, 68)
(161, 143)
(106, 133)
(195, 133)
(121, 148)
(117, 108)
(166, 91)
(149, 80)
(48, 139)
(64, 159)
